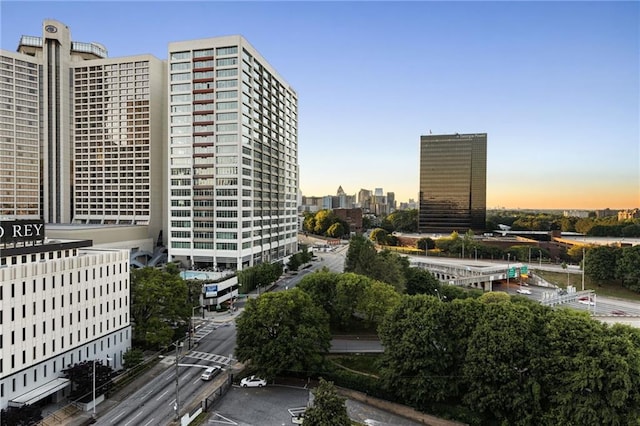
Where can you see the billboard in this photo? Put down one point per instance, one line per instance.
(17, 231)
(211, 290)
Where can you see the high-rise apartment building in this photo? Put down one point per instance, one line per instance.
(233, 159)
(453, 175)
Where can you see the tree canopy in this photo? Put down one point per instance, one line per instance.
(556, 366)
(328, 407)
(282, 331)
(158, 300)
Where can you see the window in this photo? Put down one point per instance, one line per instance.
(177, 56)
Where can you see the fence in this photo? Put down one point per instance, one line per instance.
(211, 400)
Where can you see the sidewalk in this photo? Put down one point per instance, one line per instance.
(74, 417)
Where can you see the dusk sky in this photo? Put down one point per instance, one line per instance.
(555, 85)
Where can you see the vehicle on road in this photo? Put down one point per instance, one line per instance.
(586, 301)
(618, 312)
(253, 382)
(210, 373)
(523, 291)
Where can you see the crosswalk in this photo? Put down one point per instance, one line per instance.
(206, 356)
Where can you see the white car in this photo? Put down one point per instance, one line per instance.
(253, 382)
(210, 373)
(523, 291)
(587, 302)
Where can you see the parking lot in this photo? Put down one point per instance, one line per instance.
(269, 406)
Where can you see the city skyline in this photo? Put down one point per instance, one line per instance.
(554, 85)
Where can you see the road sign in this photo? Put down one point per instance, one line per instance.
(511, 273)
(524, 270)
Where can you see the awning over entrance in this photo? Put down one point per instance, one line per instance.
(39, 393)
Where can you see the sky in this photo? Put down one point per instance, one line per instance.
(555, 85)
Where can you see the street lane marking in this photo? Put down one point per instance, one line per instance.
(134, 417)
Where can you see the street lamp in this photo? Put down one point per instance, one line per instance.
(94, 388)
(540, 258)
(508, 259)
(191, 322)
(176, 407)
(438, 293)
(584, 264)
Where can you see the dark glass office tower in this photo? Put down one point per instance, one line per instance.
(453, 183)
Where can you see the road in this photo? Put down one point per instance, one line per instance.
(154, 403)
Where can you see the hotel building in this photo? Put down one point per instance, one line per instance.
(61, 303)
(453, 183)
(82, 135)
(233, 156)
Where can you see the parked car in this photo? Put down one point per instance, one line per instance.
(253, 382)
(523, 291)
(586, 301)
(210, 373)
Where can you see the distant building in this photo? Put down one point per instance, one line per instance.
(453, 175)
(606, 213)
(576, 213)
(364, 199)
(353, 217)
(628, 214)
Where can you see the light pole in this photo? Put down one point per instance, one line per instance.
(508, 259)
(94, 388)
(475, 250)
(540, 258)
(438, 293)
(176, 407)
(191, 322)
(584, 263)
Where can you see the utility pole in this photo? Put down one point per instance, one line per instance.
(508, 259)
(584, 264)
(177, 406)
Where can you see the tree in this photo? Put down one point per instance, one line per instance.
(425, 343)
(321, 286)
(294, 262)
(628, 268)
(132, 357)
(261, 275)
(379, 235)
(282, 331)
(593, 370)
(26, 415)
(81, 377)
(377, 301)
(360, 256)
(600, 262)
(158, 300)
(404, 220)
(425, 243)
(336, 230)
(323, 220)
(421, 281)
(328, 407)
(350, 289)
(501, 360)
(390, 268)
